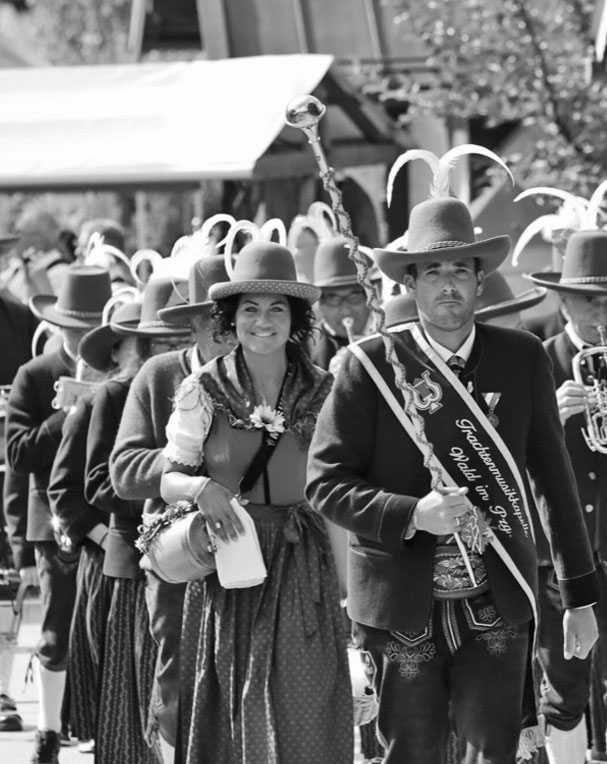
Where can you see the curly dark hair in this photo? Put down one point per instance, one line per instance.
(302, 317)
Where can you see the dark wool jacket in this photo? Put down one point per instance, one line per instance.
(590, 467)
(121, 557)
(66, 485)
(367, 475)
(17, 327)
(33, 434)
(136, 461)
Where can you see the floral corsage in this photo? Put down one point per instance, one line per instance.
(151, 525)
(264, 417)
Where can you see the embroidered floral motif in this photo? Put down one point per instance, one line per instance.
(264, 417)
(410, 658)
(487, 614)
(497, 639)
(151, 525)
(451, 574)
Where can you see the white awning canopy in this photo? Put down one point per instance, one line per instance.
(139, 124)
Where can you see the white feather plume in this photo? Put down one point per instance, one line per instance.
(594, 206)
(121, 297)
(205, 229)
(440, 185)
(155, 259)
(274, 225)
(551, 222)
(240, 226)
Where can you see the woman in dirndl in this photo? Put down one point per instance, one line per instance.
(264, 671)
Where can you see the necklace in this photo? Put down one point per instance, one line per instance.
(278, 385)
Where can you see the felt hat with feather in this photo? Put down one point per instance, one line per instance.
(441, 227)
(574, 214)
(262, 266)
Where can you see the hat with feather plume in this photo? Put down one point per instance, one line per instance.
(441, 227)
(574, 214)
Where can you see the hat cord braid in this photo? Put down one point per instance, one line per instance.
(476, 531)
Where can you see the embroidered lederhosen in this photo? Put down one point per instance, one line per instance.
(467, 450)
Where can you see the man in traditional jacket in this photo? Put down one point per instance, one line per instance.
(342, 308)
(570, 685)
(442, 562)
(33, 434)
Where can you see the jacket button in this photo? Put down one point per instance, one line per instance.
(589, 507)
(592, 475)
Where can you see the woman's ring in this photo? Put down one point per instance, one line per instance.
(218, 524)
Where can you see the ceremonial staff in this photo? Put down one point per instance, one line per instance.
(304, 113)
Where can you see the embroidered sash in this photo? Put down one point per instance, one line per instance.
(467, 449)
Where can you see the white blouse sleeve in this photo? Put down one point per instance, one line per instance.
(189, 424)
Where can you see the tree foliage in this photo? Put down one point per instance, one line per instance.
(71, 32)
(512, 60)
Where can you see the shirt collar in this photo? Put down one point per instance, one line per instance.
(575, 338)
(195, 363)
(464, 350)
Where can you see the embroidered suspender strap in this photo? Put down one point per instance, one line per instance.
(259, 462)
(490, 533)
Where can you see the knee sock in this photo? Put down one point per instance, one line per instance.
(567, 747)
(51, 686)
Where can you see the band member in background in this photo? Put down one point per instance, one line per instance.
(33, 436)
(129, 652)
(582, 288)
(136, 467)
(342, 309)
(442, 571)
(17, 329)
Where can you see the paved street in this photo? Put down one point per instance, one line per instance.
(16, 747)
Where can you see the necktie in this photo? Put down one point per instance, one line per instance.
(456, 363)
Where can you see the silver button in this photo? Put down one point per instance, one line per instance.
(592, 475)
(589, 507)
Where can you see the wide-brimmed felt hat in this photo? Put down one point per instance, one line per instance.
(204, 273)
(442, 229)
(159, 293)
(333, 266)
(96, 347)
(264, 267)
(497, 299)
(584, 265)
(82, 297)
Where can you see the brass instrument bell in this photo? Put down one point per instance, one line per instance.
(593, 361)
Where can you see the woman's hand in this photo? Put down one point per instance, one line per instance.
(214, 505)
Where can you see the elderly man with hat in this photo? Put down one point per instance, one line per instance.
(33, 433)
(582, 289)
(442, 562)
(342, 308)
(136, 465)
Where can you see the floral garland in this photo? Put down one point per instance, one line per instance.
(151, 525)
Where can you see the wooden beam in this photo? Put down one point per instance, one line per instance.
(370, 119)
(213, 28)
(136, 26)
